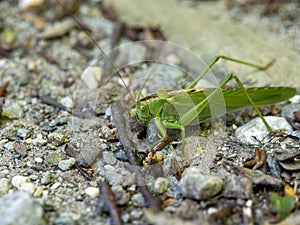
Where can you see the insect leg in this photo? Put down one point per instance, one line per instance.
(189, 116)
(161, 126)
(216, 59)
(238, 81)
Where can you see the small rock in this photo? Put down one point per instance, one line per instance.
(20, 208)
(136, 214)
(13, 110)
(295, 99)
(55, 185)
(40, 140)
(34, 177)
(238, 187)
(109, 157)
(10, 145)
(56, 139)
(66, 164)
(91, 76)
(18, 180)
(47, 178)
(23, 133)
(4, 186)
(112, 176)
(28, 187)
(53, 159)
(288, 110)
(198, 185)
(121, 196)
(256, 128)
(138, 200)
(67, 102)
(93, 192)
(161, 185)
(38, 192)
(38, 160)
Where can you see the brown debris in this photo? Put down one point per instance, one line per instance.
(108, 204)
(109, 12)
(259, 162)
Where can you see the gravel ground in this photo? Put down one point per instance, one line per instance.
(67, 155)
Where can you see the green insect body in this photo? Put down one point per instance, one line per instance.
(164, 107)
(180, 108)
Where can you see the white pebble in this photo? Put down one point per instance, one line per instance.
(161, 185)
(55, 186)
(92, 192)
(18, 180)
(67, 102)
(28, 187)
(38, 160)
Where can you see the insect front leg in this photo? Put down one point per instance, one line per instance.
(161, 126)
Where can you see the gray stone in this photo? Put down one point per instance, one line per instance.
(198, 185)
(23, 133)
(18, 180)
(138, 200)
(13, 110)
(47, 178)
(20, 208)
(113, 177)
(66, 164)
(9, 146)
(256, 128)
(287, 111)
(121, 196)
(56, 139)
(161, 185)
(109, 157)
(67, 102)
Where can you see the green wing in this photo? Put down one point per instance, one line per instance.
(235, 98)
(183, 100)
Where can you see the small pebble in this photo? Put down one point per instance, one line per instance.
(198, 185)
(18, 180)
(161, 185)
(109, 157)
(28, 187)
(47, 178)
(34, 177)
(295, 99)
(38, 160)
(138, 200)
(40, 140)
(56, 139)
(67, 102)
(121, 196)
(13, 111)
(55, 186)
(91, 76)
(38, 192)
(10, 145)
(93, 192)
(23, 133)
(4, 186)
(288, 110)
(66, 164)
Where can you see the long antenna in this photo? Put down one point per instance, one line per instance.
(101, 50)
